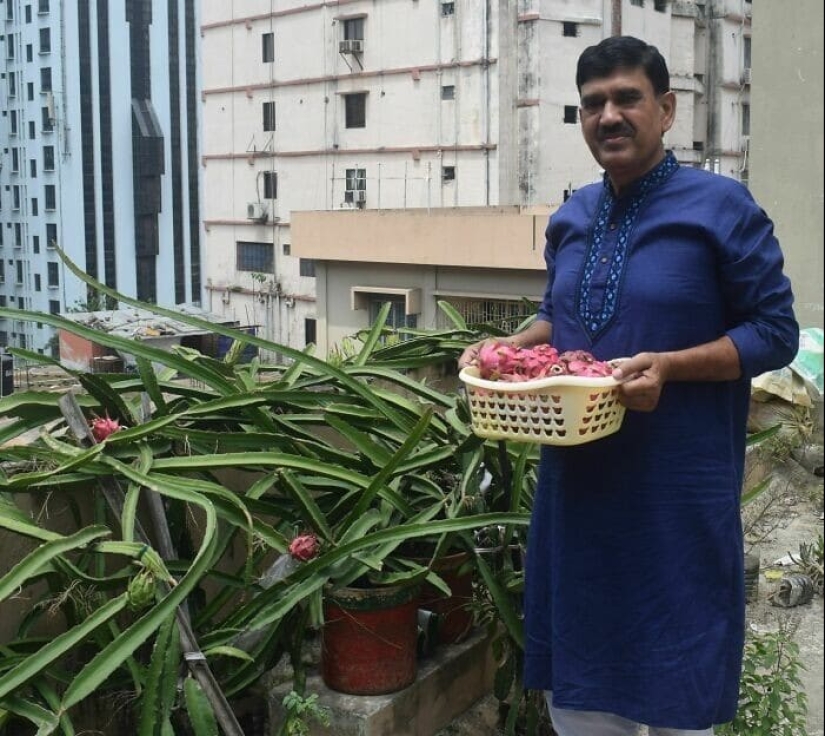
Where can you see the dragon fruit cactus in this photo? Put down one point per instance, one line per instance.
(500, 361)
(102, 427)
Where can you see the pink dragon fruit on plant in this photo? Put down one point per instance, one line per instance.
(304, 547)
(102, 427)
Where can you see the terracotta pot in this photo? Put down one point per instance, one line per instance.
(369, 639)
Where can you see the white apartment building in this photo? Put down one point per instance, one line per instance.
(100, 155)
(393, 108)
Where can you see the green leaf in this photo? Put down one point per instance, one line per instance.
(46, 721)
(200, 711)
(35, 561)
(57, 647)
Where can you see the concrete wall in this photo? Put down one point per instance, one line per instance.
(786, 144)
(477, 253)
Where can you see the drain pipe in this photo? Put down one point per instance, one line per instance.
(616, 18)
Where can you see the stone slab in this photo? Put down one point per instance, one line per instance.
(449, 682)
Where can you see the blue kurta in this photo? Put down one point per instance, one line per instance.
(635, 597)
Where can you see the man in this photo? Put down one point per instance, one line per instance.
(634, 601)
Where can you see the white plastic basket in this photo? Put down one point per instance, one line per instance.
(562, 410)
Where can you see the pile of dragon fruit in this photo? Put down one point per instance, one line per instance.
(504, 362)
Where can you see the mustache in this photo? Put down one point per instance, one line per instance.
(613, 130)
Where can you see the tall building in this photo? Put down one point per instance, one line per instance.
(336, 109)
(100, 156)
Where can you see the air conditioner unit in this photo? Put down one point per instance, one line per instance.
(746, 75)
(351, 46)
(257, 211)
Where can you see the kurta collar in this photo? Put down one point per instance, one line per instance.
(653, 178)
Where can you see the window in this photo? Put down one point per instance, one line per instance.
(30, 91)
(306, 267)
(28, 13)
(15, 161)
(48, 158)
(45, 41)
(448, 173)
(10, 44)
(51, 235)
(569, 29)
(32, 130)
(256, 257)
(269, 115)
(660, 6)
(42, 6)
(268, 47)
(397, 317)
(638, 3)
(354, 29)
(18, 235)
(355, 110)
(35, 243)
(12, 84)
(571, 114)
(503, 313)
(3, 273)
(15, 197)
(356, 186)
(48, 123)
(447, 9)
(13, 122)
(29, 52)
(746, 119)
(37, 282)
(51, 197)
(34, 207)
(33, 168)
(286, 249)
(270, 185)
(310, 332)
(18, 268)
(54, 306)
(53, 275)
(746, 52)
(448, 92)
(46, 79)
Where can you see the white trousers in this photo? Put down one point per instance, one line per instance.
(568, 722)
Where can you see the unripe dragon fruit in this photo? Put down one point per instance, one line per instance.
(102, 427)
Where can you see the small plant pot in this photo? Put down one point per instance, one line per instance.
(369, 639)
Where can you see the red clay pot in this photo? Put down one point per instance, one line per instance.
(369, 639)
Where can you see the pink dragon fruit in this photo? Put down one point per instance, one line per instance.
(304, 547)
(102, 427)
(505, 362)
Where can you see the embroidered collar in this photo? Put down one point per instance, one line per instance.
(595, 318)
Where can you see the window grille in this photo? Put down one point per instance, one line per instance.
(256, 257)
(505, 314)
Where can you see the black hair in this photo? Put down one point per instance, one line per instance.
(626, 52)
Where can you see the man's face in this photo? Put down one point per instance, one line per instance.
(623, 121)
